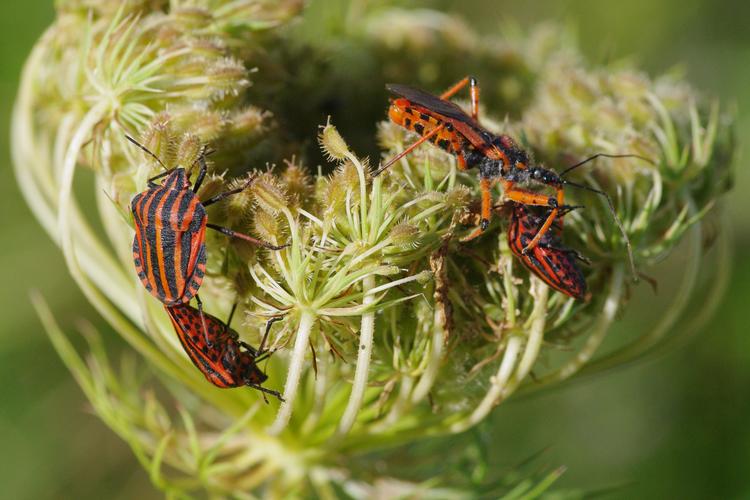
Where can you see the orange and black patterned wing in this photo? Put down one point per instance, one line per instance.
(425, 104)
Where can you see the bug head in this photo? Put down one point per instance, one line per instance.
(250, 374)
(544, 176)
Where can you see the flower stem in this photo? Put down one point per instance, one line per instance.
(436, 358)
(611, 306)
(296, 363)
(366, 335)
(502, 384)
(498, 383)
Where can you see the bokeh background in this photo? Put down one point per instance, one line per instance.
(673, 426)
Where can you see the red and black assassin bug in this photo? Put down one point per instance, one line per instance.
(497, 157)
(169, 247)
(224, 362)
(550, 260)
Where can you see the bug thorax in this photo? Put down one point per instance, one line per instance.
(490, 168)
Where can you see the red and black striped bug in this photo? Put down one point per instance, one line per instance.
(169, 247)
(497, 157)
(227, 362)
(550, 260)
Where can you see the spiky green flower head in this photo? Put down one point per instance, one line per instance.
(392, 329)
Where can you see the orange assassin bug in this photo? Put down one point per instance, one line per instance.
(498, 157)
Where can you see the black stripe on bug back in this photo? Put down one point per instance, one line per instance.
(169, 238)
(199, 220)
(153, 250)
(186, 239)
(135, 207)
(541, 271)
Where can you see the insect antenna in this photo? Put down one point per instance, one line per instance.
(603, 155)
(145, 149)
(612, 210)
(609, 200)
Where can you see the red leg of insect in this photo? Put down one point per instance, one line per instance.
(409, 149)
(254, 241)
(473, 93)
(531, 198)
(486, 186)
(461, 162)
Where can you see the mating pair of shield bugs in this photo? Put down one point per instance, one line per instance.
(169, 252)
(536, 241)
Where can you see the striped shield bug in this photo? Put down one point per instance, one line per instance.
(497, 157)
(227, 361)
(169, 247)
(550, 260)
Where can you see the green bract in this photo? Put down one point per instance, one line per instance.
(393, 329)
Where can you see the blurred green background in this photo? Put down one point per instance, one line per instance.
(677, 426)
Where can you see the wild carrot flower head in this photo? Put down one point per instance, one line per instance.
(392, 329)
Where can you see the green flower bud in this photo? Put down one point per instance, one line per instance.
(189, 151)
(405, 235)
(269, 195)
(332, 144)
(160, 140)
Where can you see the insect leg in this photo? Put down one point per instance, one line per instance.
(151, 180)
(203, 321)
(231, 192)
(254, 241)
(202, 171)
(473, 93)
(227, 329)
(409, 149)
(461, 161)
(530, 198)
(262, 389)
(269, 323)
(486, 185)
